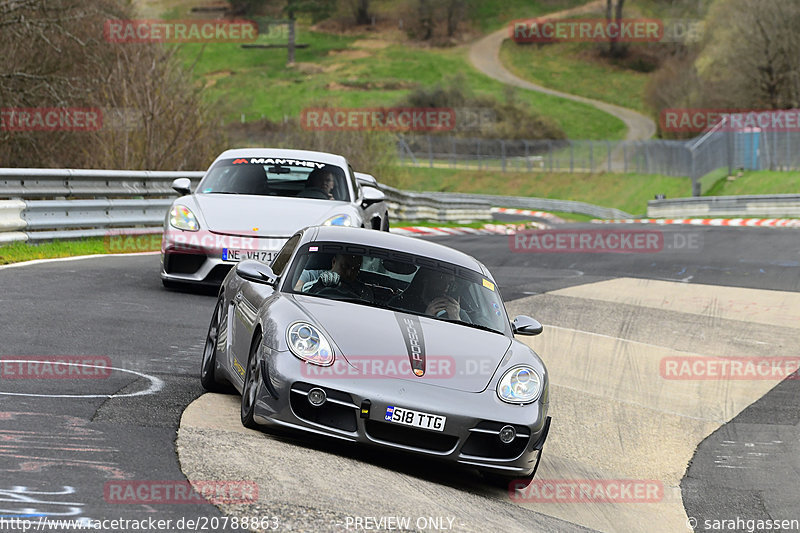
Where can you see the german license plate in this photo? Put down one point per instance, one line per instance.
(231, 254)
(409, 417)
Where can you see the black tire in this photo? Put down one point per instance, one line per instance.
(252, 381)
(209, 363)
(385, 223)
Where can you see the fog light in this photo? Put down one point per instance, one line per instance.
(317, 397)
(508, 434)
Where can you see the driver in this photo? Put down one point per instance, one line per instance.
(320, 185)
(342, 278)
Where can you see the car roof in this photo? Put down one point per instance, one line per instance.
(284, 153)
(391, 241)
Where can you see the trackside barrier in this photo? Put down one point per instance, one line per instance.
(407, 205)
(48, 204)
(538, 204)
(11, 221)
(47, 183)
(777, 205)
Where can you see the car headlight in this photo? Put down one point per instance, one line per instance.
(309, 344)
(520, 384)
(339, 220)
(182, 218)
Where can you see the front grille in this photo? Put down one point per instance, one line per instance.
(183, 263)
(337, 412)
(408, 436)
(484, 441)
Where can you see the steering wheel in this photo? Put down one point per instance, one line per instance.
(339, 290)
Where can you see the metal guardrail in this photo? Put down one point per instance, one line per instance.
(407, 205)
(538, 204)
(777, 205)
(48, 183)
(47, 204)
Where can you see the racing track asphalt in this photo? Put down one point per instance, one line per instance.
(116, 307)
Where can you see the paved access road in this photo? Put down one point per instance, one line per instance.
(59, 454)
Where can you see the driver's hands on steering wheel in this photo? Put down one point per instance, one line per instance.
(329, 279)
(444, 305)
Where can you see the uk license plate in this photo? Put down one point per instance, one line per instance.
(409, 417)
(233, 255)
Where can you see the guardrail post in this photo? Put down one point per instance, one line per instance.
(624, 156)
(571, 156)
(503, 154)
(527, 155)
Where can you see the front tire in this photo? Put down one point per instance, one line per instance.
(252, 381)
(208, 366)
(385, 223)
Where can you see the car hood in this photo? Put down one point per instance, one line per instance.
(380, 344)
(274, 216)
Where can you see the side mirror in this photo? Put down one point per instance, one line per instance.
(182, 185)
(255, 271)
(372, 196)
(525, 325)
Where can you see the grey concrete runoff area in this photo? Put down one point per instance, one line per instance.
(626, 339)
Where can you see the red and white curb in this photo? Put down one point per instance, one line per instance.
(528, 213)
(729, 222)
(487, 229)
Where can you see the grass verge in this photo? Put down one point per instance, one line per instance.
(573, 68)
(628, 192)
(18, 252)
(756, 182)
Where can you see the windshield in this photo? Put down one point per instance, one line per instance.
(276, 177)
(398, 281)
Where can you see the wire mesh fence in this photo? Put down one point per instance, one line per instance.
(719, 148)
(650, 157)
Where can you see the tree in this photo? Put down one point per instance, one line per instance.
(454, 14)
(614, 13)
(751, 53)
(362, 12)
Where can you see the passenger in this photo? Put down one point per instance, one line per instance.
(431, 293)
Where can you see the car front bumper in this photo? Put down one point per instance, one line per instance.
(355, 409)
(196, 257)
